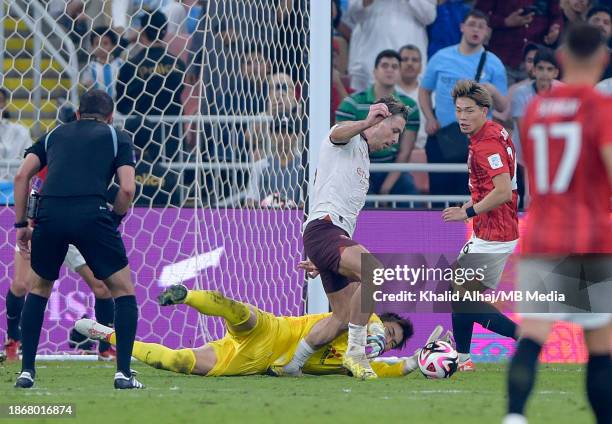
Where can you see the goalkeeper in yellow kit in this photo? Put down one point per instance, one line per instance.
(256, 340)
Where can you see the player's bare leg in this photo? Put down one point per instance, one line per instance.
(346, 311)
(238, 316)
(332, 326)
(104, 308)
(355, 359)
(15, 298)
(523, 367)
(126, 320)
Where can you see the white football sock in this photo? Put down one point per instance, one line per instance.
(301, 355)
(514, 419)
(464, 357)
(357, 338)
(410, 364)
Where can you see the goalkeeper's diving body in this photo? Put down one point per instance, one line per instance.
(256, 340)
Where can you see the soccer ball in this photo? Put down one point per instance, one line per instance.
(438, 360)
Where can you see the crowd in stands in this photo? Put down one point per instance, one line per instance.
(164, 58)
(507, 46)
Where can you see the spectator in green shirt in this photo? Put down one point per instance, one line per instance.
(355, 108)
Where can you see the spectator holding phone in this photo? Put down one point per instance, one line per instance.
(516, 23)
(575, 10)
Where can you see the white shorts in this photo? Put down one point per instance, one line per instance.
(73, 260)
(585, 282)
(489, 256)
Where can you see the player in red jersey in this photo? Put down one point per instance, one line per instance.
(493, 208)
(20, 285)
(567, 136)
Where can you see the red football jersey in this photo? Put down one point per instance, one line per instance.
(562, 134)
(491, 153)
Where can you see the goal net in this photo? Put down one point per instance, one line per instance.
(213, 94)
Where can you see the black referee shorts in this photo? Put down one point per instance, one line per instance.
(84, 222)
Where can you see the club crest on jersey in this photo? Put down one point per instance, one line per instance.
(495, 161)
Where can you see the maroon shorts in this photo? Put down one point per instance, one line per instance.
(324, 244)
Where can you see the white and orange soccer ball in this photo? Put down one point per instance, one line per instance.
(438, 359)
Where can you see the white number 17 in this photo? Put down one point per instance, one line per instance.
(571, 133)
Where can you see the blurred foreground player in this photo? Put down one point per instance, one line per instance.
(567, 137)
(493, 208)
(82, 157)
(340, 188)
(255, 340)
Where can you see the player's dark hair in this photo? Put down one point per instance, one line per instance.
(583, 40)
(104, 31)
(96, 104)
(405, 323)
(410, 47)
(472, 90)
(545, 55)
(388, 53)
(154, 25)
(477, 14)
(598, 9)
(395, 106)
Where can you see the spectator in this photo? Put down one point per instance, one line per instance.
(14, 140)
(356, 106)
(176, 13)
(76, 23)
(410, 69)
(529, 53)
(290, 56)
(545, 71)
(575, 10)
(282, 103)
(244, 92)
(252, 91)
(601, 17)
(446, 29)
(340, 38)
(276, 180)
(446, 67)
(150, 83)
(384, 24)
(516, 23)
(340, 83)
(101, 73)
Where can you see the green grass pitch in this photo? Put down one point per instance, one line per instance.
(171, 398)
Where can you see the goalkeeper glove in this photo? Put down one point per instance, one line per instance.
(375, 342)
(375, 346)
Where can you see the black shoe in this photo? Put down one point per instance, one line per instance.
(173, 295)
(123, 382)
(25, 379)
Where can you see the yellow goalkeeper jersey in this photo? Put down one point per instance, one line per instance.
(274, 340)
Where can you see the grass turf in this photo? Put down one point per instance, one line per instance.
(171, 398)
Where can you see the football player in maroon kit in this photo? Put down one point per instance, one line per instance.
(567, 136)
(493, 209)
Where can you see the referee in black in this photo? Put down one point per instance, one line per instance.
(82, 157)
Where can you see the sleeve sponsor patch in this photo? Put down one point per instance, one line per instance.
(495, 161)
